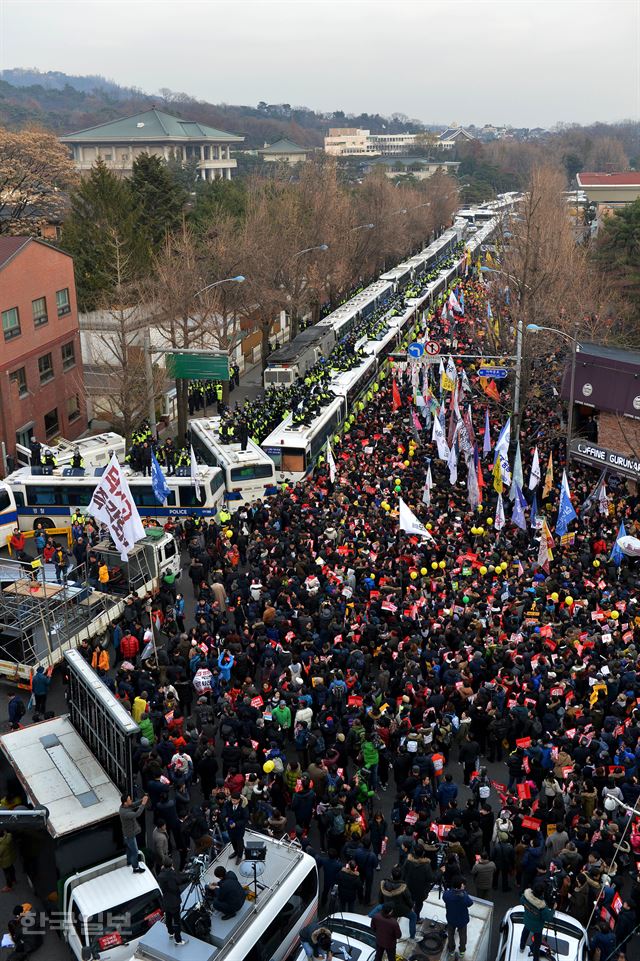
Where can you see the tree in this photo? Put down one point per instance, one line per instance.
(175, 308)
(158, 199)
(118, 349)
(618, 250)
(35, 172)
(101, 209)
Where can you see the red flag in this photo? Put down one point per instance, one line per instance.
(395, 393)
(490, 389)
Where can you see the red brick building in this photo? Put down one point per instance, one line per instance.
(41, 379)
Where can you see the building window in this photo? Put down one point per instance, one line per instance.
(68, 356)
(62, 302)
(19, 377)
(45, 366)
(73, 408)
(10, 323)
(51, 426)
(39, 308)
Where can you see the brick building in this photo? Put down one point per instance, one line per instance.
(606, 397)
(41, 391)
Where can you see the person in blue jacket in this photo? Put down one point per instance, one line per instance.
(457, 903)
(225, 663)
(39, 688)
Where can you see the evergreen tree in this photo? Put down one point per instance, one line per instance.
(158, 199)
(101, 212)
(619, 250)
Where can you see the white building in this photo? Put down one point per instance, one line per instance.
(354, 142)
(119, 142)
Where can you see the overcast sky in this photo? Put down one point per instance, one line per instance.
(467, 61)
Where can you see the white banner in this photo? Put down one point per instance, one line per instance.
(409, 522)
(113, 505)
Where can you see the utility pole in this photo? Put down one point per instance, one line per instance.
(148, 374)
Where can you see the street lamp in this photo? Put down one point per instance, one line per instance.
(227, 280)
(535, 329)
(148, 351)
(308, 250)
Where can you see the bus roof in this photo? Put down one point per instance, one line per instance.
(343, 382)
(279, 877)
(231, 455)
(59, 772)
(25, 475)
(286, 433)
(290, 352)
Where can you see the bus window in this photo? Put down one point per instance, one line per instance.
(143, 496)
(188, 497)
(5, 500)
(292, 460)
(41, 496)
(275, 453)
(251, 472)
(215, 484)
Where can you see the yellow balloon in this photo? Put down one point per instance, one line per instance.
(483, 569)
(479, 508)
(429, 526)
(614, 615)
(555, 597)
(481, 530)
(398, 481)
(504, 565)
(442, 565)
(413, 575)
(406, 463)
(474, 530)
(568, 601)
(385, 506)
(229, 534)
(268, 767)
(489, 521)
(596, 563)
(423, 571)
(434, 566)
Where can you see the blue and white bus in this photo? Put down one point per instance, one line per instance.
(249, 474)
(36, 500)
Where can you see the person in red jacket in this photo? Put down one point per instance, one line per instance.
(17, 542)
(129, 647)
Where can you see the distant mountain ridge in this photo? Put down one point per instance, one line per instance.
(64, 103)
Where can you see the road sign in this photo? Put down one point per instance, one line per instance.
(197, 366)
(415, 350)
(432, 348)
(498, 373)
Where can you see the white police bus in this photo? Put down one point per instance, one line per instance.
(248, 474)
(36, 500)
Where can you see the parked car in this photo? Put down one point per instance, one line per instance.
(563, 940)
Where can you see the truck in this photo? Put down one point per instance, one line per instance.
(40, 619)
(281, 882)
(71, 771)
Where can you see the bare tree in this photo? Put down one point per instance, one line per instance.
(35, 172)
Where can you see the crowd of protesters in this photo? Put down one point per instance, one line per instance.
(336, 668)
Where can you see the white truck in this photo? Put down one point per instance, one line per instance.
(74, 862)
(282, 886)
(40, 619)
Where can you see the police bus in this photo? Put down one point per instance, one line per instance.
(34, 500)
(294, 448)
(248, 474)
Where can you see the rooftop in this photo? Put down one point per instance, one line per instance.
(630, 178)
(151, 125)
(284, 146)
(10, 247)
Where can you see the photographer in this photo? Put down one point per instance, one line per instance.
(170, 882)
(227, 894)
(537, 914)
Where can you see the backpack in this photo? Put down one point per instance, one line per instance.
(337, 823)
(302, 738)
(333, 781)
(503, 835)
(484, 790)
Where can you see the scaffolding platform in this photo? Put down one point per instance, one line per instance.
(40, 619)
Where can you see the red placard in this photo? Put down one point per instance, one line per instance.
(499, 787)
(110, 940)
(531, 824)
(524, 791)
(257, 701)
(354, 700)
(523, 742)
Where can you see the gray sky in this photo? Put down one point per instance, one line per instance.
(470, 61)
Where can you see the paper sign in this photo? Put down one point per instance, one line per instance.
(523, 742)
(257, 701)
(531, 824)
